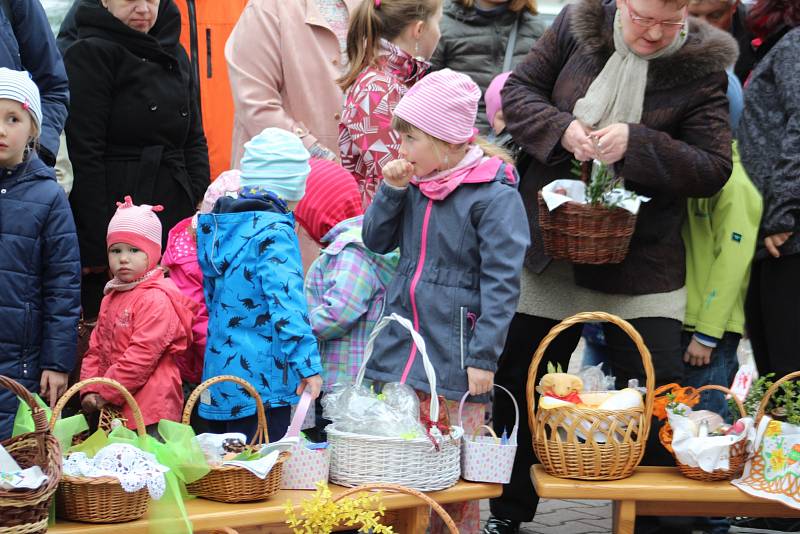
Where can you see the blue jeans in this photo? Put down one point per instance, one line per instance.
(721, 371)
(595, 350)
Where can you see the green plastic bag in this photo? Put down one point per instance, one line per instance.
(64, 429)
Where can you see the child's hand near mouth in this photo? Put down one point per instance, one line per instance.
(398, 172)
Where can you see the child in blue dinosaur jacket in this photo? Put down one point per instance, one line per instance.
(258, 325)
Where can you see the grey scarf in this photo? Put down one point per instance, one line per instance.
(617, 94)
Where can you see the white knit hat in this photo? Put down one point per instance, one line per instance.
(18, 85)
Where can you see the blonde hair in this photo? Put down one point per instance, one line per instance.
(490, 149)
(370, 24)
(513, 5)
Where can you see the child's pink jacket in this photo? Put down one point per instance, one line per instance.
(181, 260)
(138, 336)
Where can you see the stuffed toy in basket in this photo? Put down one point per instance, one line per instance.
(573, 441)
(422, 463)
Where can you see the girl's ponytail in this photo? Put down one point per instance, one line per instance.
(375, 20)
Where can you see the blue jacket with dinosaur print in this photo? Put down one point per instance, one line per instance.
(258, 325)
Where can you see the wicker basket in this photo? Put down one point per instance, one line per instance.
(227, 483)
(358, 459)
(582, 233)
(738, 452)
(26, 511)
(448, 521)
(555, 431)
(99, 499)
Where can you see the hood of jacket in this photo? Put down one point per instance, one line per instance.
(29, 170)
(348, 233)
(185, 308)
(233, 223)
(707, 49)
(94, 20)
(401, 64)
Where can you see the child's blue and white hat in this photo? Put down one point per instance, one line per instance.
(276, 160)
(18, 85)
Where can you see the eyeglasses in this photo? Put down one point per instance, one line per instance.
(647, 22)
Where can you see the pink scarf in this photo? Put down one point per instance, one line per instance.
(439, 185)
(115, 284)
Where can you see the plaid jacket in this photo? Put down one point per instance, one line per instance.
(345, 289)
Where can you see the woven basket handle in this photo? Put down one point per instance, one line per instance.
(396, 488)
(513, 437)
(588, 317)
(260, 437)
(38, 414)
(134, 406)
(771, 391)
(418, 341)
(723, 389)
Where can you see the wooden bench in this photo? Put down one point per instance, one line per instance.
(659, 491)
(406, 513)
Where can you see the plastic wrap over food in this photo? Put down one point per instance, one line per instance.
(359, 410)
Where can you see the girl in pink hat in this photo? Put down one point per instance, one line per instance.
(450, 202)
(145, 323)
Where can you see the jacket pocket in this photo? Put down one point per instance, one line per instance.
(27, 330)
(208, 53)
(462, 330)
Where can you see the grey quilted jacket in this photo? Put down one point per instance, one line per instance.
(474, 43)
(769, 140)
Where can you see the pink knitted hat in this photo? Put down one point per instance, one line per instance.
(137, 226)
(331, 197)
(494, 102)
(443, 104)
(227, 182)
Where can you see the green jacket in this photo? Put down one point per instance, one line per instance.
(720, 236)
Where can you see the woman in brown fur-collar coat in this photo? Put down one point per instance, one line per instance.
(638, 86)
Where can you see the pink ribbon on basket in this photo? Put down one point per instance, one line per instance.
(299, 415)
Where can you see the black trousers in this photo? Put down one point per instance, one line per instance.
(662, 336)
(772, 311)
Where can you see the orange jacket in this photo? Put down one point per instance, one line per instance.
(205, 27)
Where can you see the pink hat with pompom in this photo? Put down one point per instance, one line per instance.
(137, 226)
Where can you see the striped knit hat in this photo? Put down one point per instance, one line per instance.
(17, 85)
(443, 104)
(331, 197)
(276, 160)
(137, 226)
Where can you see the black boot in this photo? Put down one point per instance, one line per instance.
(496, 525)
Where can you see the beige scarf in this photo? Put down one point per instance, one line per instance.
(617, 94)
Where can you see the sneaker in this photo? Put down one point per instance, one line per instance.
(496, 525)
(754, 525)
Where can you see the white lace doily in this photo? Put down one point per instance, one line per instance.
(133, 467)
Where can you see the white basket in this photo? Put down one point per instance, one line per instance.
(358, 459)
(484, 458)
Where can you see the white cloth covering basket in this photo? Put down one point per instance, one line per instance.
(358, 459)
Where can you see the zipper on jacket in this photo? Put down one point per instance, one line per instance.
(208, 52)
(26, 340)
(423, 246)
(285, 369)
(193, 50)
(461, 316)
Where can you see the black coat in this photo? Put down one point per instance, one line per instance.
(134, 126)
(39, 280)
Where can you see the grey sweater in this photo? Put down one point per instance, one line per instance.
(769, 140)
